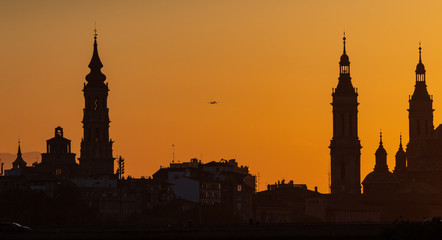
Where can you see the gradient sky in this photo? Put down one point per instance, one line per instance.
(271, 65)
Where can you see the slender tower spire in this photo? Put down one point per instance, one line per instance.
(19, 162)
(95, 76)
(380, 138)
(420, 53)
(96, 157)
(19, 149)
(400, 141)
(345, 146)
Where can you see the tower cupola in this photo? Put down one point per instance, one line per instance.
(420, 68)
(344, 63)
(381, 157)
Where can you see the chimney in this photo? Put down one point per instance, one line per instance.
(316, 189)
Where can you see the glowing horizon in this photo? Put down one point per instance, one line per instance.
(270, 65)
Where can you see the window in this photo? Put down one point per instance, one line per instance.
(58, 171)
(239, 188)
(96, 104)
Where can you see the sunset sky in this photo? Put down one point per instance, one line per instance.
(271, 65)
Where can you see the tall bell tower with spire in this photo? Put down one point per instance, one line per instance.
(96, 148)
(420, 116)
(345, 147)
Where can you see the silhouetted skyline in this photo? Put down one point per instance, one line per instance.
(271, 65)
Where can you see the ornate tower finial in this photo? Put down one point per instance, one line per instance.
(380, 137)
(95, 31)
(400, 140)
(19, 149)
(420, 52)
(420, 68)
(344, 38)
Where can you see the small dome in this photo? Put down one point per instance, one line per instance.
(400, 154)
(381, 150)
(420, 68)
(345, 61)
(380, 177)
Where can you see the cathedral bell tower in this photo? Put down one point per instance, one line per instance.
(96, 149)
(420, 116)
(345, 147)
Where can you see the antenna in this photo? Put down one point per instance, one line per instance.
(329, 179)
(173, 153)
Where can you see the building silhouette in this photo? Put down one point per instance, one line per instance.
(199, 191)
(345, 147)
(413, 189)
(223, 183)
(380, 181)
(19, 163)
(96, 157)
(58, 159)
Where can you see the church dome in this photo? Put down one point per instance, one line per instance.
(420, 68)
(380, 177)
(400, 154)
(345, 61)
(381, 150)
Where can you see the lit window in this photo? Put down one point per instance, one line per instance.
(58, 171)
(239, 188)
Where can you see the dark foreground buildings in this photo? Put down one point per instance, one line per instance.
(60, 190)
(91, 190)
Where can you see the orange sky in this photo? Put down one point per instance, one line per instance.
(270, 64)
